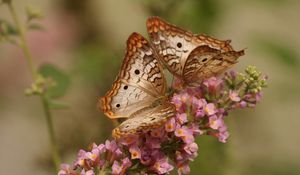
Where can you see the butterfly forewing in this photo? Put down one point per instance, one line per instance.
(139, 83)
(174, 44)
(145, 119)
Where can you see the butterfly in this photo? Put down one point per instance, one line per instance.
(138, 93)
(190, 57)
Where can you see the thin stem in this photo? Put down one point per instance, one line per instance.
(55, 154)
(33, 70)
(23, 43)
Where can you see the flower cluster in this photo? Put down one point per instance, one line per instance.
(200, 111)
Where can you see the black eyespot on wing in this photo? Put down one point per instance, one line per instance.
(179, 45)
(137, 71)
(152, 119)
(118, 105)
(125, 87)
(204, 59)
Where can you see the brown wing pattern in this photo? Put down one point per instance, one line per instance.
(174, 44)
(139, 83)
(145, 119)
(205, 62)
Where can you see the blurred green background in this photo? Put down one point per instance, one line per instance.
(86, 40)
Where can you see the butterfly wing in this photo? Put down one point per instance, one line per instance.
(139, 83)
(174, 44)
(204, 62)
(145, 119)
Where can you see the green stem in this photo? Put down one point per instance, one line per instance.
(33, 70)
(55, 154)
(23, 43)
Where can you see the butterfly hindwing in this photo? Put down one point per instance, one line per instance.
(139, 83)
(145, 119)
(204, 62)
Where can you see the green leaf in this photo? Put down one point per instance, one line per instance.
(61, 80)
(58, 105)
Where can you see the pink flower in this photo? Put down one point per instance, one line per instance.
(198, 107)
(210, 109)
(242, 104)
(116, 168)
(162, 166)
(185, 134)
(234, 96)
(80, 158)
(89, 172)
(120, 169)
(191, 149)
(65, 169)
(146, 156)
(170, 125)
(135, 152)
(113, 149)
(194, 127)
(223, 134)
(215, 122)
(183, 169)
(213, 85)
(181, 118)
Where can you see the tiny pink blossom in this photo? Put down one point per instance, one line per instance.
(210, 109)
(170, 125)
(179, 156)
(191, 148)
(234, 96)
(223, 134)
(183, 169)
(162, 166)
(89, 172)
(116, 168)
(120, 169)
(243, 104)
(185, 134)
(213, 84)
(181, 118)
(215, 122)
(64, 169)
(135, 152)
(176, 100)
(80, 158)
(198, 107)
(194, 127)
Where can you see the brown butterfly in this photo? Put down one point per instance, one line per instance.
(190, 57)
(138, 93)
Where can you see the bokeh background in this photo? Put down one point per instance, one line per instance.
(86, 40)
